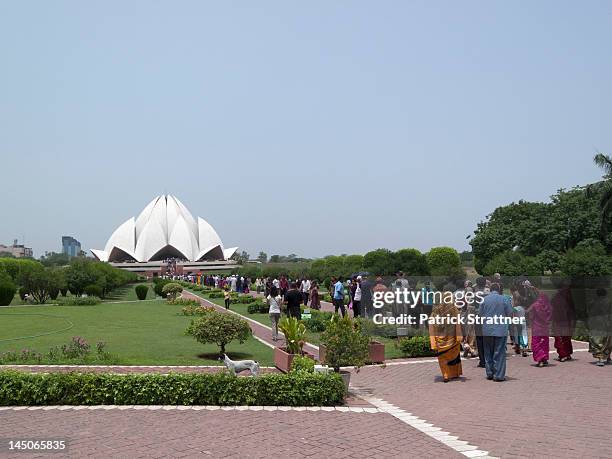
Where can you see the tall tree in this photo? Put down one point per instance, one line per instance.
(604, 162)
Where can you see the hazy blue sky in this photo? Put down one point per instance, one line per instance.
(309, 127)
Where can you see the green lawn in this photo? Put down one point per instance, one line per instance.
(140, 333)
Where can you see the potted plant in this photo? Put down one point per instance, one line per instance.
(345, 345)
(295, 333)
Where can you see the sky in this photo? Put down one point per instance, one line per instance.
(312, 128)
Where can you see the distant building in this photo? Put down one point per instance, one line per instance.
(70, 246)
(18, 250)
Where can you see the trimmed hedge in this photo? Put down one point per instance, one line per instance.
(141, 291)
(416, 346)
(293, 389)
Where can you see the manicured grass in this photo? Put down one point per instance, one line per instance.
(140, 333)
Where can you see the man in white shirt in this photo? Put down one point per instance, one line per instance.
(305, 290)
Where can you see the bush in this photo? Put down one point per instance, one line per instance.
(346, 345)
(215, 295)
(416, 346)
(318, 321)
(171, 290)
(7, 289)
(219, 328)
(158, 285)
(293, 389)
(184, 302)
(257, 306)
(141, 291)
(93, 290)
(197, 310)
(301, 363)
(79, 301)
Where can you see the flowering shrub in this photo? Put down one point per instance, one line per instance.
(77, 350)
(184, 302)
(78, 347)
(196, 311)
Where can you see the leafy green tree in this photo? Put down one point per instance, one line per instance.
(588, 258)
(513, 263)
(171, 290)
(7, 289)
(412, 262)
(443, 261)
(55, 259)
(263, 257)
(4, 254)
(604, 162)
(40, 282)
(379, 262)
(220, 329)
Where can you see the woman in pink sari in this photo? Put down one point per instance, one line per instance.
(563, 321)
(540, 313)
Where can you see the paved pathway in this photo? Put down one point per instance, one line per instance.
(564, 410)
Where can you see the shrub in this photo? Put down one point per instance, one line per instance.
(158, 285)
(257, 306)
(416, 346)
(141, 291)
(301, 363)
(345, 344)
(171, 290)
(79, 301)
(219, 328)
(93, 290)
(7, 289)
(184, 302)
(293, 389)
(318, 321)
(196, 311)
(215, 295)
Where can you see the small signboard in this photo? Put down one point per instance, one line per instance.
(306, 314)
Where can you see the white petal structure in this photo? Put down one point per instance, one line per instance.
(164, 229)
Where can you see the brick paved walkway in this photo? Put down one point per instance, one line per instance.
(220, 434)
(564, 410)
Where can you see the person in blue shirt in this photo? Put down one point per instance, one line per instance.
(495, 334)
(338, 295)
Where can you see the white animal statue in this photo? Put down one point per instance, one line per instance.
(241, 365)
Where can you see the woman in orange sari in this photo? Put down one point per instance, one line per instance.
(445, 338)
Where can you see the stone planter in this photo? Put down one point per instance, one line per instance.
(283, 360)
(346, 378)
(376, 352)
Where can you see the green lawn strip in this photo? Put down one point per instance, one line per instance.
(141, 333)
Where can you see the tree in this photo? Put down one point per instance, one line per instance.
(275, 259)
(241, 257)
(7, 289)
(219, 328)
(512, 263)
(443, 261)
(55, 259)
(588, 258)
(379, 262)
(412, 262)
(604, 162)
(40, 282)
(263, 257)
(4, 254)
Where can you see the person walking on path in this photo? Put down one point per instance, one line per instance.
(274, 301)
(563, 320)
(495, 308)
(293, 299)
(305, 287)
(540, 315)
(226, 297)
(315, 301)
(445, 338)
(338, 295)
(356, 296)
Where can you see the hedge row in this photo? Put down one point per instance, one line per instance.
(293, 389)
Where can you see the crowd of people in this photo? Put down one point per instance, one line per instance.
(539, 315)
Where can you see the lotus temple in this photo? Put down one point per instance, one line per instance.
(166, 232)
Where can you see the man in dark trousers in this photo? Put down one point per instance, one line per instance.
(293, 300)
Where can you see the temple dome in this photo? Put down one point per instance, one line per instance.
(164, 229)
